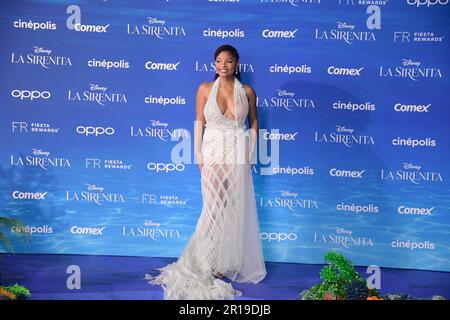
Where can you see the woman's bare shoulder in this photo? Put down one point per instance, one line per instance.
(205, 87)
(249, 90)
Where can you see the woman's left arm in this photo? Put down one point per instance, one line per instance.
(253, 121)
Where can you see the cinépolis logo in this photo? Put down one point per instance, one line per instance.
(290, 69)
(353, 106)
(34, 25)
(32, 229)
(414, 142)
(178, 100)
(222, 33)
(293, 171)
(108, 64)
(357, 208)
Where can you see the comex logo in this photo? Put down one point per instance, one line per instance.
(346, 173)
(415, 211)
(32, 95)
(428, 3)
(399, 107)
(281, 236)
(97, 131)
(73, 21)
(150, 65)
(29, 195)
(344, 71)
(87, 230)
(267, 33)
(280, 136)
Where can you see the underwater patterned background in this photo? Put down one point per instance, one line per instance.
(395, 51)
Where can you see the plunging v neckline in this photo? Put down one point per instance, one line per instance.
(234, 102)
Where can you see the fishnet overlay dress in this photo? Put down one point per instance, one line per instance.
(226, 239)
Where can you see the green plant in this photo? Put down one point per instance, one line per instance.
(339, 281)
(11, 223)
(15, 292)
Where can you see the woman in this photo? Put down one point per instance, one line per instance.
(226, 240)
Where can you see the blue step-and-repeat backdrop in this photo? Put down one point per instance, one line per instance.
(96, 98)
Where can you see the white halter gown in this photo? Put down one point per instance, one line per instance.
(226, 239)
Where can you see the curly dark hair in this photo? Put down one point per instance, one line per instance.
(234, 53)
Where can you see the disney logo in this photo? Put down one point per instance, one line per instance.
(41, 50)
(283, 93)
(155, 21)
(93, 187)
(96, 87)
(409, 62)
(411, 166)
(288, 194)
(342, 230)
(344, 129)
(345, 25)
(151, 223)
(39, 152)
(157, 123)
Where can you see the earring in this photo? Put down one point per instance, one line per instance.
(237, 68)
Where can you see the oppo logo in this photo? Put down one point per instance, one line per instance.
(274, 236)
(428, 3)
(27, 94)
(165, 167)
(97, 131)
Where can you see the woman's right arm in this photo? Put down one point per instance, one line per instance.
(199, 124)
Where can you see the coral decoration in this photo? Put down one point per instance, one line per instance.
(7, 294)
